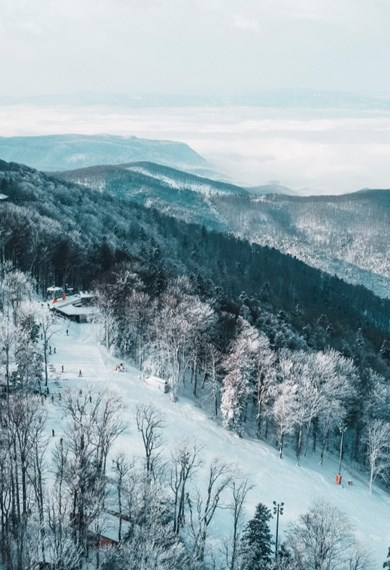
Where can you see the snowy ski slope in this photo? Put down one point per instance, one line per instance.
(273, 479)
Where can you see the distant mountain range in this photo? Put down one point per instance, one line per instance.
(63, 152)
(271, 188)
(344, 235)
(278, 98)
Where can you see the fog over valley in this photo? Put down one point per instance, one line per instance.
(313, 151)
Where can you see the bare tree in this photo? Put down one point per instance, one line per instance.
(61, 547)
(25, 424)
(184, 461)
(94, 424)
(150, 421)
(48, 326)
(240, 488)
(219, 477)
(121, 468)
(7, 336)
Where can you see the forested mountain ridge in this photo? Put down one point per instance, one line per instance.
(61, 152)
(345, 235)
(174, 192)
(65, 233)
(183, 180)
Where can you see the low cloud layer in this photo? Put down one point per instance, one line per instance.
(320, 151)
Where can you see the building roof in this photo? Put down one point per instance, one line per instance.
(73, 306)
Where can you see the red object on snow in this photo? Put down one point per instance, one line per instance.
(55, 300)
(339, 478)
(63, 297)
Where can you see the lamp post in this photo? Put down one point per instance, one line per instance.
(278, 511)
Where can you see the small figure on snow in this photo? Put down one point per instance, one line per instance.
(80, 373)
(67, 332)
(52, 433)
(55, 350)
(49, 349)
(62, 368)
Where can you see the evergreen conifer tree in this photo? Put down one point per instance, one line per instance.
(256, 542)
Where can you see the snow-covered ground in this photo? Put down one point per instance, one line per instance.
(273, 479)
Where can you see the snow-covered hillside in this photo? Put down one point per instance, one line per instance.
(343, 235)
(178, 180)
(273, 479)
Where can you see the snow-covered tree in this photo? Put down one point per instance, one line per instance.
(323, 539)
(320, 390)
(264, 380)
(283, 412)
(27, 354)
(213, 375)
(241, 366)
(154, 546)
(16, 288)
(180, 321)
(378, 449)
(234, 402)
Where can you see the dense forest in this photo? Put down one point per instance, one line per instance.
(272, 347)
(344, 235)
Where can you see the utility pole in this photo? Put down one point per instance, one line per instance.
(278, 511)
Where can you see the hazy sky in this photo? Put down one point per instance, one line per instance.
(209, 48)
(193, 46)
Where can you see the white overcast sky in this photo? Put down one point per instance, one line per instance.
(193, 46)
